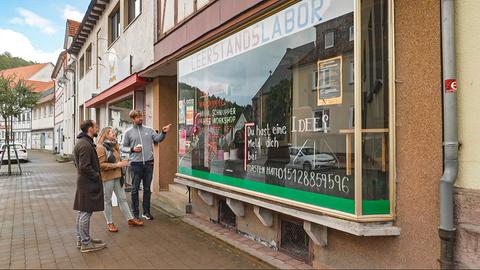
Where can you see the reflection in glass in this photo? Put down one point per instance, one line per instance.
(375, 104)
(280, 113)
(118, 117)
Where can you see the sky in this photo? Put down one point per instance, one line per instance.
(35, 29)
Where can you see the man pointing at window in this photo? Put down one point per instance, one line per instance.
(138, 141)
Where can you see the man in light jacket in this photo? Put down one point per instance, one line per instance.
(138, 141)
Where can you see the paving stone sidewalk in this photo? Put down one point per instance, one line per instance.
(37, 230)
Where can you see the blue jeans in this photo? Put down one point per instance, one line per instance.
(141, 172)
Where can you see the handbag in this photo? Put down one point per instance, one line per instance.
(122, 178)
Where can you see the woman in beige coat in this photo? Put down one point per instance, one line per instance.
(111, 165)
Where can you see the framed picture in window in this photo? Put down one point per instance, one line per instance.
(329, 85)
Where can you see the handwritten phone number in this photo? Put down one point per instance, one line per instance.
(311, 179)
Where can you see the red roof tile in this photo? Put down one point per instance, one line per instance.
(72, 27)
(23, 72)
(38, 86)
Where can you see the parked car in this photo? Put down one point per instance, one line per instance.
(307, 159)
(21, 151)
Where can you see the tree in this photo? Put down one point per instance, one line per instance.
(15, 97)
(8, 61)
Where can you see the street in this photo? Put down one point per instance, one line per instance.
(37, 226)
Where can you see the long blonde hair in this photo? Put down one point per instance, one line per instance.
(103, 137)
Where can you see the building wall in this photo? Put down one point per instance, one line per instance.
(164, 112)
(468, 64)
(141, 30)
(44, 120)
(44, 74)
(69, 111)
(418, 156)
(467, 194)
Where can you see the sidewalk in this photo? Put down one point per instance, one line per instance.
(37, 230)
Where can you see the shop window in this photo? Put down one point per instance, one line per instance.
(114, 25)
(118, 117)
(133, 8)
(81, 66)
(329, 40)
(249, 120)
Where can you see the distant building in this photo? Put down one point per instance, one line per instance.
(38, 78)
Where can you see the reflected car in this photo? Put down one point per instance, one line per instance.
(307, 159)
(21, 151)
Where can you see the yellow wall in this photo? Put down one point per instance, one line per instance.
(468, 75)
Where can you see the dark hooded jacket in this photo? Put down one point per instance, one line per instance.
(89, 195)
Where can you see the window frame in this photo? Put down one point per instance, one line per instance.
(127, 21)
(81, 66)
(176, 23)
(328, 33)
(354, 121)
(88, 58)
(115, 12)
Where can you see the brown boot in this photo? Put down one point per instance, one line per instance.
(135, 222)
(112, 227)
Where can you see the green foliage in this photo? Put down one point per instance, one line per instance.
(15, 97)
(8, 61)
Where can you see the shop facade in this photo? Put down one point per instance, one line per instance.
(311, 126)
(109, 58)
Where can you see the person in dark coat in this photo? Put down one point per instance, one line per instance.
(89, 194)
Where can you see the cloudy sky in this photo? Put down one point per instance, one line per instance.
(34, 29)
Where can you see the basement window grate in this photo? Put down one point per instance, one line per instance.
(226, 216)
(294, 240)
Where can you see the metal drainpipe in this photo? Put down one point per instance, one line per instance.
(447, 230)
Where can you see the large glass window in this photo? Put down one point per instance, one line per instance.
(271, 109)
(375, 105)
(118, 117)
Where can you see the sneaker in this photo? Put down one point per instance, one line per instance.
(135, 222)
(92, 247)
(95, 241)
(147, 216)
(112, 228)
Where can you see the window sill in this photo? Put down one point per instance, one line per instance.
(351, 227)
(113, 42)
(132, 22)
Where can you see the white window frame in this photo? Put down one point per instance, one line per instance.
(326, 37)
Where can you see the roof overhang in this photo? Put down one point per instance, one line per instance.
(126, 86)
(93, 14)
